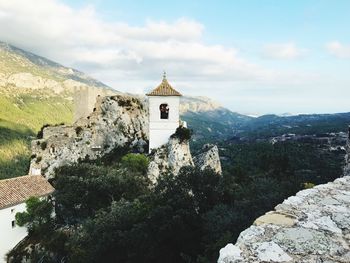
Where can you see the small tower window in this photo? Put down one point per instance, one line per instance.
(164, 111)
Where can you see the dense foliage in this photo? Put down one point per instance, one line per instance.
(37, 217)
(115, 214)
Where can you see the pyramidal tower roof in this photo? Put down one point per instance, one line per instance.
(164, 89)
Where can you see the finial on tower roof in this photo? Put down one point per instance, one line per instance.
(164, 89)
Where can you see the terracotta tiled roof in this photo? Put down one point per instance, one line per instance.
(17, 190)
(164, 89)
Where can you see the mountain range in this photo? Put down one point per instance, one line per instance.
(35, 91)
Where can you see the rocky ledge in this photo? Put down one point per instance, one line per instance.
(312, 226)
(176, 154)
(117, 121)
(209, 158)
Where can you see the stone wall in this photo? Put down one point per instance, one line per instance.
(311, 227)
(85, 99)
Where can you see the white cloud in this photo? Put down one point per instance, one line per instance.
(338, 49)
(132, 58)
(80, 38)
(283, 51)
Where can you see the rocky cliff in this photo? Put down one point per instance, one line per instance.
(22, 69)
(170, 157)
(176, 154)
(209, 158)
(312, 226)
(117, 121)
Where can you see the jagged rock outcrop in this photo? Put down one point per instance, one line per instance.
(117, 121)
(176, 154)
(209, 158)
(312, 226)
(171, 157)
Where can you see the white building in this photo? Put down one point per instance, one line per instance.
(13, 194)
(164, 104)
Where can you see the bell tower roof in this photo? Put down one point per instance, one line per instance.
(164, 89)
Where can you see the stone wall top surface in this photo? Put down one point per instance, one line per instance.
(312, 226)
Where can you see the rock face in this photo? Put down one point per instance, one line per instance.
(198, 104)
(312, 226)
(117, 121)
(170, 158)
(176, 154)
(209, 158)
(26, 70)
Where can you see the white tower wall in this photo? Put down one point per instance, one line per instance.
(161, 129)
(10, 234)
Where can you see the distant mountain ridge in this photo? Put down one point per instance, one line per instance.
(35, 91)
(16, 60)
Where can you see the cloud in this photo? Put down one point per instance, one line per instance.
(80, 38)
(283, 51)
(338, 50)
(132, 58)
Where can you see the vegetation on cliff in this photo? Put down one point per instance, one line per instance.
(113, 213)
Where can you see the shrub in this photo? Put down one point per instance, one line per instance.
(41, 132)
(135, 163)
(308, 185)
(37, 217)
(43, 145)
(38, 159)
(78, 130)
(182, 133)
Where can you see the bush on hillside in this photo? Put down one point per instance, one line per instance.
(182, 133)
(41, 131)
(137, 163)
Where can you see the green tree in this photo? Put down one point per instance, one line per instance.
(136, 163)
(37, 217)
(182, 133)
(82, 189)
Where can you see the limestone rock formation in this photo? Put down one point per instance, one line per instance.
(312, 226)
(198, 104)
(176, 154)
(170, 157)
(209, 158)
(117, 121)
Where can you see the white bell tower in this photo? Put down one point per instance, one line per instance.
(164, 119)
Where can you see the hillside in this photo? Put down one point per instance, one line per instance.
(36, 91)
(257, 173)
(33, 91)
(273, 125)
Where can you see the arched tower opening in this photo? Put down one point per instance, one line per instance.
(164, 111)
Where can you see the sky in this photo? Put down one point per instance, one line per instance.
(252, 56)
